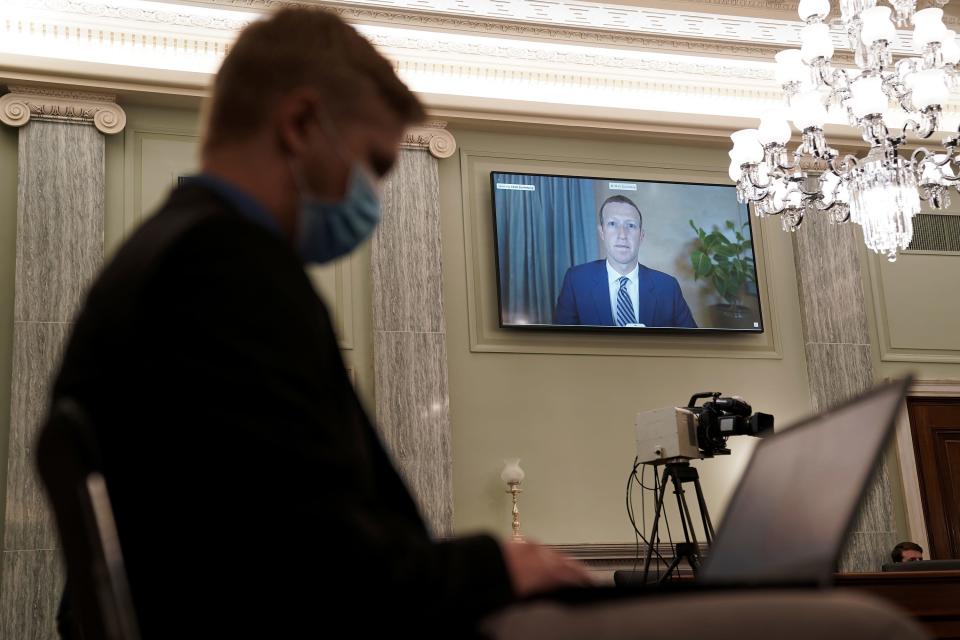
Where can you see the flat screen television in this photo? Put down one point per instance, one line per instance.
(610, 254)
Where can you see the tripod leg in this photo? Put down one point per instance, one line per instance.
(689, 534)
(673, 565)
(704, 514)
(652, 540)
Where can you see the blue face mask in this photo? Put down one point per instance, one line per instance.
(329, 230)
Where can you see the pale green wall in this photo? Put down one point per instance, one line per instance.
(913, 306)
(569, 416)
(565, 406)
(8, 243)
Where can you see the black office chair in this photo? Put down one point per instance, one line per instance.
(70, 465)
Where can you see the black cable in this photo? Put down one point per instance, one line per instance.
(630, 515)
(666, 521)
(642, 473)
(638, 535)
(643, 497)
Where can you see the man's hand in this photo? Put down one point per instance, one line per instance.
(534, 569)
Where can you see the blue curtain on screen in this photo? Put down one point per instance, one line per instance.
(540, 234)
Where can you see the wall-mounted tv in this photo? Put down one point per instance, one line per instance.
(623, 255)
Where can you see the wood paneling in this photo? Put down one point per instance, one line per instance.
(935, 423)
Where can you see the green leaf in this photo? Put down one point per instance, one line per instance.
(727, 250)
(730, 225)
(702, 267)
(740, 237)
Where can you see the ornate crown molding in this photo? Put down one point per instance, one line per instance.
(564, 61)
(431, 136)
(697, 28)
(104, 11)
(99, 110)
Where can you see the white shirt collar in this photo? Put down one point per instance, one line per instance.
(614, 276)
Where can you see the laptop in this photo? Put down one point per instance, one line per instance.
(795, 503)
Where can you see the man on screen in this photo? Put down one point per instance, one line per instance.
(619, 291)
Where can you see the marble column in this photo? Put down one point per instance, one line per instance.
(839, 363)
(409, 331)
(60, 222)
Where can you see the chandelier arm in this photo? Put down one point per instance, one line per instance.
(789, 167)
(947, 160)
(821, 204)
(847, 163)
(922, 131)
(754, 185)
(916, 159)
(894, 87)
(774, 210)
(906, 66)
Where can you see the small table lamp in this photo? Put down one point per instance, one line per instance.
(513, 475)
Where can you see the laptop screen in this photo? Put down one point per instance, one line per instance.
(789, 516)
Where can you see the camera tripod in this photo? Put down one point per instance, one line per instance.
(679, 472)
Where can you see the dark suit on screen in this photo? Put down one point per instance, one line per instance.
(585, 298)
(253, 497)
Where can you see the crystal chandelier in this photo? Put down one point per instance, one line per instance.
(882, 190)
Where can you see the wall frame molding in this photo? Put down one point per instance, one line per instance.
(487, 337)
(888, 352)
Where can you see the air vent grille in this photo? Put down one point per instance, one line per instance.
(936, 232)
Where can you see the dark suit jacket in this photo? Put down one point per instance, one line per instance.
(252, 495)
(585, 298)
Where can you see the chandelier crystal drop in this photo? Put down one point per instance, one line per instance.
(885, 99)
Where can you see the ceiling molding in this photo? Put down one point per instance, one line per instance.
(648, 64)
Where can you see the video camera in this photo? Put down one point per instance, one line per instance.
(694, 432)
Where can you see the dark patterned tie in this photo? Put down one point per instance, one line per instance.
(625, 314)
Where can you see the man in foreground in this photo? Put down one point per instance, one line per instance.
(252, 494)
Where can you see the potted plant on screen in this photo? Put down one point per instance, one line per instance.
(729, 266)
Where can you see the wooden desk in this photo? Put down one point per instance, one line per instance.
(931, 597)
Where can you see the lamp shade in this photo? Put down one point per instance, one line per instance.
(790, 67)
(746, 147)
(950, 48)
(929, 88)
(512, 473)
(809, 111)
(794, 199)
(928, 27)
(774, 127)
(877, 26)
(895, 117)
(734, 171)
(779, 194)
(811, 8)
(816, 42)
(868, 96)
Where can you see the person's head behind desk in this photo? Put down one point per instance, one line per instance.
(301, 103)
(620, 225)
(907, 552)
